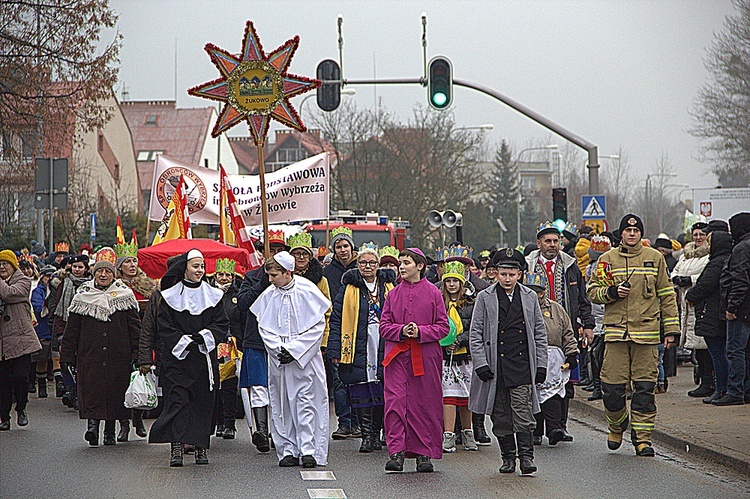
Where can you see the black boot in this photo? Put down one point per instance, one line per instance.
(366, 427)
(59, 386)
(567, 437)
(109, 432)
(140, 430)
(201, 455)
(706, 388)
(597, 393)
(508, 453)
(175, 459)
(42, 386)
(377, 427)
(480, 434)
(70, 398)
(124, 431)
(525, 453)
(260, 435)
(92, 432)
(229, 430)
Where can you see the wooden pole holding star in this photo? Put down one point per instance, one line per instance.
(255, 87)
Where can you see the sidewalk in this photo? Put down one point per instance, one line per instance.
(719, 434)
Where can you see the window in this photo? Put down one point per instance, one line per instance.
(100, 141)
(143, 155)
(117, 172)
(28, 141)
(7, 146)
(151, 119)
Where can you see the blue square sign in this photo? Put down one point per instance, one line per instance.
(593, 208)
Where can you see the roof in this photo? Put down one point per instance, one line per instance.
(247, 156)
(160, 126)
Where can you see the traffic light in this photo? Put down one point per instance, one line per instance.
(560, 205)
(329, 94)
(440, 82)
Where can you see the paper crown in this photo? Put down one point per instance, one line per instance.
(322, 251)
(484, 254)
(388, 251)
(300, 240)
(126, 250)
(455, 270)
(463, 252)
(107, 254)
(225, 265)
(547, 228)
(276, 237)
(531, 279)
(571, 227)
(600, 244)
(370, 246)
(341, 230)
(62, 247)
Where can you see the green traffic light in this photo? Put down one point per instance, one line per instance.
(560, 224)
(439, 99)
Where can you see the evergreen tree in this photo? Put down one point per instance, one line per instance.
(504, 190)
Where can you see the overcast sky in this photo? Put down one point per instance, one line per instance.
(617, 73)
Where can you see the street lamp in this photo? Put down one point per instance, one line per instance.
(549, 147)
(648, 192)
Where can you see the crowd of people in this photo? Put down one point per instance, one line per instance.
(414, 352)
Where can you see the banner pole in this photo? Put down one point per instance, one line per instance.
(148, 228)
(263, 201)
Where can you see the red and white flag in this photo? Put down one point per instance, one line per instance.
(231, 224)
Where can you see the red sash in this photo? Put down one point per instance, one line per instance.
(416, 355)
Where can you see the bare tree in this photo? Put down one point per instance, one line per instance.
(722, 108)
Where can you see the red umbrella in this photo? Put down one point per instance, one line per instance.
(153, 260)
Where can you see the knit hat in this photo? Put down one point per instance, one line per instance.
(340, 233)
(454, 270)
(631, 220)
(105, 259)
(48, 270)
(599, 246)
(37, 249)
(10, 257)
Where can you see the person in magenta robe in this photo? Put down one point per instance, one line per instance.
(412, 323)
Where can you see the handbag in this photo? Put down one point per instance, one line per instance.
(141, 393)
(231, 367)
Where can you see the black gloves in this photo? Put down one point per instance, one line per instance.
(284, 357)
(572, 361)
(198, 338)
(612, 292)
(682, 281)
(484, 373)
(541, 375)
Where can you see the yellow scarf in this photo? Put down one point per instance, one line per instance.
(456, 318)
(349, 320)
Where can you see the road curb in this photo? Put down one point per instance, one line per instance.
(678, 444)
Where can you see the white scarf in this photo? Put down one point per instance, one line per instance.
(101, 304)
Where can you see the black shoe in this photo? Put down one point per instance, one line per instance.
(356, 432)
(32, 386)
(70, 399)
(289, 461)
(5, 425)
(567, 437)
(368, 444)
(109, 439)
(396, 462)
(508, 453)
(122, 436)
(715, 396)
(42, 388)
(201, 455)
(175, 456)
(59, 388)
(219, 431)
(644, 450)
(729, 400)
(23, 418)
(341, 433)
(92, 433)
(590, 387)
(140, 430)
(229, 433)
(595, 395)
(261, 442)
(480, 434)
(309, 462)
(555, 436)
(701, 391)
(537, 440)
(424, 465)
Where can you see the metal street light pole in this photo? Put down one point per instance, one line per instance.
(549, 147)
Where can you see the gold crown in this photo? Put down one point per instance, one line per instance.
(300, 240)
(107, 254)
(369, 246)
(341, 230)
(226, 265)
(388, 251)
(126, 250)
(533, 279)
(276, 237)
(571, 227)
(454, 269)
(62, 247)
(454, 252)
(547, 226)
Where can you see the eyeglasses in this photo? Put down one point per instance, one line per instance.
(368, 264)
(302, 256)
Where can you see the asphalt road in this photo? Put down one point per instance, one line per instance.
(49, 458)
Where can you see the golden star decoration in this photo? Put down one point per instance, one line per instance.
(255, 87)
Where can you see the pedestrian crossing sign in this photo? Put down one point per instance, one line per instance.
(593, 207)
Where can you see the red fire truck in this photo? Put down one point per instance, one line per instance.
(366, 227)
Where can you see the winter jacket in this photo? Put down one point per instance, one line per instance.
(557, 323)
(314, 274)
(582, 254)
(17, 336)
(735, 280)
(691, 263)
(577, 303)
(356, 371)
(710, 308)
(38, 298)
(335, 271)
(254, 283)
(651, 300)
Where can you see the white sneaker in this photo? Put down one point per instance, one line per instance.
(449, 441)
(467, 437)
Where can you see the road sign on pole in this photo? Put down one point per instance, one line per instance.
(593, 208)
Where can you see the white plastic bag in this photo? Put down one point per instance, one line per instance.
(141, 393)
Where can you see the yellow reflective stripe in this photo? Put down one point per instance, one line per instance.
(635, 270)
(665, 291)
(619, 420)
(641, 426)
(644, 334)
(671, 321)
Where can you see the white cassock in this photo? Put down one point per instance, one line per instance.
(293, 317)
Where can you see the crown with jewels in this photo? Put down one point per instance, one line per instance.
(107, 254)
(388, 251)
(600, 244)
(126, 250)
(300, 240)
(370, 246)
(341, 230)
(454, 252)
(484, 254)
(225, 265)
(454, 269)
(276, 237)
(535, 280)
(571, 227)
(62, 247)
(547, 227)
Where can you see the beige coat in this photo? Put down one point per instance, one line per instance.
(559, 330)
(17, 336)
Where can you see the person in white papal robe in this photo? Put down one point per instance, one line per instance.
(291, 321)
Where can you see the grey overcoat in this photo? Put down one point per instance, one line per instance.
(483, 344)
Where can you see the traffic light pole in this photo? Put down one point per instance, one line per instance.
(590, 148)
